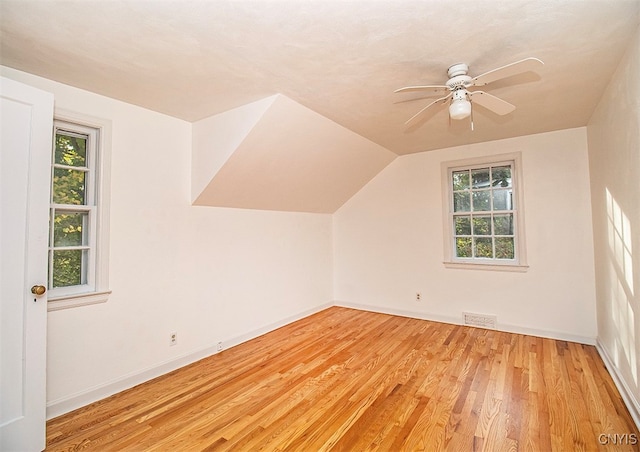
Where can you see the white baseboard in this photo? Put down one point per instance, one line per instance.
(458, 321)
(398, 312)
(630, 400)
(64, 405)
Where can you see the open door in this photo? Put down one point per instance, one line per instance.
(26, 117)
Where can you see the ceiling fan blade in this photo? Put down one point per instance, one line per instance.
(491, 102)
(413, 99)
(434, 89)
(528, 64)
(442, 100)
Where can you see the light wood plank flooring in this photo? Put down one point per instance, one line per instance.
(349, 380)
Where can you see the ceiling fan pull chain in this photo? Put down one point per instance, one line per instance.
(471, 116)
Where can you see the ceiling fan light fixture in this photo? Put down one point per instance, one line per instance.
(460, 107)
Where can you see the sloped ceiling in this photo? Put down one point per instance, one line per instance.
(275, 154)
(340, 59)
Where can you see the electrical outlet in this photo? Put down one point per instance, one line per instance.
(173, 338)
(219, 346)
(418, 296)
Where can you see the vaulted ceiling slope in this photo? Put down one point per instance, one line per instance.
(275, 154)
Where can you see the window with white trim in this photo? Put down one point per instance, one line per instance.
(78, 217)
(483, 214)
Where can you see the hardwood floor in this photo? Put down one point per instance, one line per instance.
(349, 380)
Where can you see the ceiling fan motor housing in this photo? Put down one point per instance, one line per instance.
(458, 77)
(457, 82)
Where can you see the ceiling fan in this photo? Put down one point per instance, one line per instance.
(461, 99)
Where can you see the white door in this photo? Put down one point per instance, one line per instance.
(26, 116)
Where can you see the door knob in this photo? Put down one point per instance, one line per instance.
(38, 290)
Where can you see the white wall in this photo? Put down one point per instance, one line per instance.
(209, 274)
(388, 243)
(614, 158)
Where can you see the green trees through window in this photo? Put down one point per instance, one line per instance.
(71, 207)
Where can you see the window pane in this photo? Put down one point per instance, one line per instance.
(503, 224)
(505, 248)
(480, 178)
(463, 225)
(463, 247)
(502, 199)
(483, 212)
(67, 268)
(70, 150)
(481, 200)
(483, 247)
(482, 225)
(68, 229)
(460, 180)
(68, 186)
(461, 202)
(501, 176)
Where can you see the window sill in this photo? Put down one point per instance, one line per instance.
(488, 266)
(73, 301)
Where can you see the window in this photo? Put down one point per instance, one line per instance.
(78, 225)
(484, 214)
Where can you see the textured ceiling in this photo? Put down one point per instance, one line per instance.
(341, 59)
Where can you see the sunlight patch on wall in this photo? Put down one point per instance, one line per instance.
(619, 231)
(624, 319)
(621, 273)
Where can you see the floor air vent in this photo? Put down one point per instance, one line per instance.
(480, 320)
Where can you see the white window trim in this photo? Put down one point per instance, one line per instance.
(100, 288)
(520, 264)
